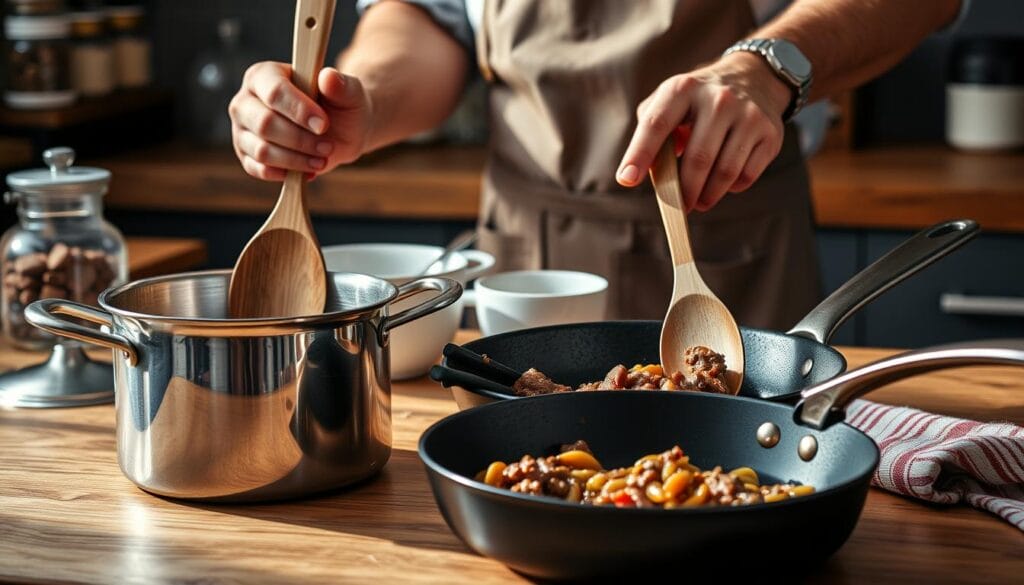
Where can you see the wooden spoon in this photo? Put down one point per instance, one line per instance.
(281, 271)
(695, 315)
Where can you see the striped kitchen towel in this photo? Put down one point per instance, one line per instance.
(946, 460)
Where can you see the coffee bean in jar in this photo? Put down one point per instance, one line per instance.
(61, 247)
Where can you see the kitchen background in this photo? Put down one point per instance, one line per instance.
(164, 144)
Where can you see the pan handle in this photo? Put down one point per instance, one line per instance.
(471, 382)
(824, 403)
(907, 259)
(44, 315)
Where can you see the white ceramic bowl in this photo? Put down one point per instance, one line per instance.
(533, 298)
(417, 345)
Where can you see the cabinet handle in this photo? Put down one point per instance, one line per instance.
(961, 304)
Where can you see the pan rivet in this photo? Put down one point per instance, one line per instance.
(806, 369)
(807, 448)
(768, 435)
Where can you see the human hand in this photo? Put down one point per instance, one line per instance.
(731, 112)
(275, 127)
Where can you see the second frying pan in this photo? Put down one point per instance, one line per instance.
(778, 365)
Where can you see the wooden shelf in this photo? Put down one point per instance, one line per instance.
(86, 110)
(911, 188)
(895, 188)
(404, 182)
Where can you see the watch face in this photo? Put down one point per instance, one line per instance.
(791, 59)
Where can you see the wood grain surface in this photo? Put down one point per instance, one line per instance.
(906, 187)
(154, 256)
(68, 515)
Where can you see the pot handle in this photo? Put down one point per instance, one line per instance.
(449, 291)
(44, 315)
(907, 259)
(825, 403)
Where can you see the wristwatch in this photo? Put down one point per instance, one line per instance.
(788, 63)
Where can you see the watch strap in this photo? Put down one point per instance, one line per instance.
(801, 88)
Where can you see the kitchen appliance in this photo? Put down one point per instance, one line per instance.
(778, 365)
(223, 409)
(551, 538)
(61, 247)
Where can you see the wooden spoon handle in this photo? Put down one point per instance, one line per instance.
(313, 20)
(665, 176)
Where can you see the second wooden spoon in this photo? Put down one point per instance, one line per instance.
(695, 315)
(281, 272)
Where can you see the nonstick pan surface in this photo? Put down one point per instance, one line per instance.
(551, 538)
(554, 539)
(777, 365)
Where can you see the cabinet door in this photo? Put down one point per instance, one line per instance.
(982, 286)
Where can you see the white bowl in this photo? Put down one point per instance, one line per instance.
(534, 298)
(415, 346)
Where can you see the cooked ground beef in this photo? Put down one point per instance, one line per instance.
(533, 382)
(666, 479)
(707, 371)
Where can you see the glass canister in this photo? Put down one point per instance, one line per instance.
(62, 247)
(132, 47)
(38, 51)
(92, 55)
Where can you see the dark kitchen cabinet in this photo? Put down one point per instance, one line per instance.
(839, 258)
(989, 268)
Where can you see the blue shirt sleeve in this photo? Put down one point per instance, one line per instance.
(448, 14)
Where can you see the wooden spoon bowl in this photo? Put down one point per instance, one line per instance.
(695, 317)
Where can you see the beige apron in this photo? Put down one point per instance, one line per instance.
(565, 79)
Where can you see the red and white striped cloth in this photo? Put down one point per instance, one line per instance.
(946, 460)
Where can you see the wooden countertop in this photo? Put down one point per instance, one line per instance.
(905, 187)
(154, 256)
(69, 516)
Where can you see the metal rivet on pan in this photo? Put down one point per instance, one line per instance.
(768, 435)
(806, 369)
(807, 448)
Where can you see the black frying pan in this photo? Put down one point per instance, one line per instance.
(551, 538)
(777, 365)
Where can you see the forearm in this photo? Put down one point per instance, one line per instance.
(851, 41)
(411, 69)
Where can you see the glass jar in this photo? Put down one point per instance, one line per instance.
(38, 61)
(92, 55)
(61, 247)
(131, 46)
(214, 78)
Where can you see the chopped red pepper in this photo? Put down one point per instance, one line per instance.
(624, 500)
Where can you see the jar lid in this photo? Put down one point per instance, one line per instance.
(61, 178)
(35, 6)
(87, 24)
(125, 18)
(28, 28)
(987, 61)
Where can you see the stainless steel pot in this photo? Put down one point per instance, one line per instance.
(246, 409)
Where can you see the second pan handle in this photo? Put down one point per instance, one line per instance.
(907, 259)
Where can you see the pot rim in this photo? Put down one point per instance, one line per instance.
(276, 323)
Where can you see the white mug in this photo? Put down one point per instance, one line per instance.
(533, 298)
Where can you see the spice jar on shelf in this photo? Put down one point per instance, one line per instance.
(132, 47)
(92, 55)
(38, 47)
(61, 247)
